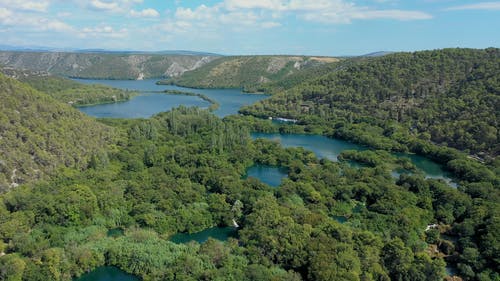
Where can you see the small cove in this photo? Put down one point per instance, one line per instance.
(219, 233)
(329, 148)
(107, 273)
(269, 175)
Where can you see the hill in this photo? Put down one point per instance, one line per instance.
(450, 97)
(104, 65)
(39, 134)
(247, 71)
(69, 91)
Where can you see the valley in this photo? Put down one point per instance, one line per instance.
(367, 176)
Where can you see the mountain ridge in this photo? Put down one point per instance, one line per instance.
(104, 65)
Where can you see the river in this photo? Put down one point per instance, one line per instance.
(150, 101)
(230, 101)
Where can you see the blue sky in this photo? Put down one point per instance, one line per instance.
(309, 27)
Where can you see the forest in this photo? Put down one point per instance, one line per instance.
(38, 134)
(181, 171)
(184, 171)
(67, 90)
(450, 97)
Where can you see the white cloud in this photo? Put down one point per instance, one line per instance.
(268, 13)
(64, 14)
(348, 16)
(54, 25)
(146, 13)
(255, 4)
(270, 24)
(31, 6)
(5, 14)
(103, 31)
(25, 22)
(391, 14)
(113, 6)
(202, 12)
(477, 6)
(103, 6)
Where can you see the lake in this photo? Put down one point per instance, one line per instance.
(107, 273)
(219, 233)
(329, 148)
(230, 101)
(147, 103)
(322, 146)
(271, 176)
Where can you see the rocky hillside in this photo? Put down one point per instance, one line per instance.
(247, 71)
(104, 66)
(39, 134)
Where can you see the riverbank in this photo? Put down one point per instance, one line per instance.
(214, 105)
(76, 105)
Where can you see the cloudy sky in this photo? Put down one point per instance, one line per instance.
(314, 27)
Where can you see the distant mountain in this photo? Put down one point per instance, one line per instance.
(377, 54)
(104, 51)
(165, 52)
(96, 64)
(247, 71)
(32, 48)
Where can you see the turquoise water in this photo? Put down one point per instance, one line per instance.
(115, 232)
(147, 103)
(340, 219)
(143, 106)
(329, 148)
(322, 146)
(107, 273)
(451, 270)
(271, 176)
(230, 101)
(219, 233)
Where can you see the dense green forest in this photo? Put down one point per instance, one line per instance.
(39, 134)
(182, 171)
(74, 93)
(247, 72)
(67, 90)
(450, 97)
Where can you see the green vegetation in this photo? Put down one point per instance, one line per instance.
(246, 72)
(181, 171)
(74, 93)
(298, 77)
(402, 101)
(68, 91)
(39, 134)
(214, 105)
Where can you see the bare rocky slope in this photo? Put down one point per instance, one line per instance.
(104, 65)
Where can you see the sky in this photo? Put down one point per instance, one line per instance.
(234, 27)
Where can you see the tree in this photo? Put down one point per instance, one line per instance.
(12, 267)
